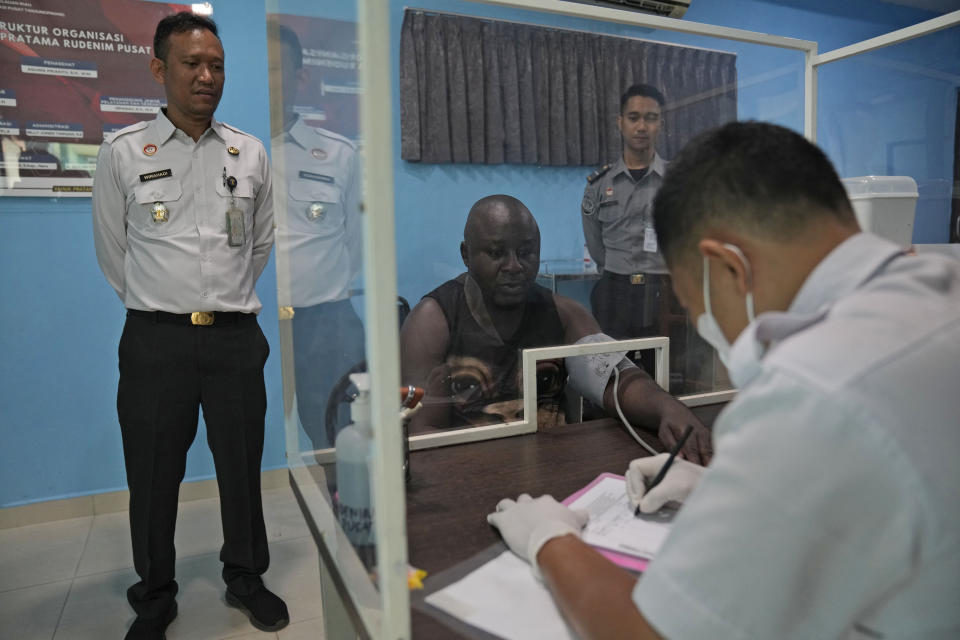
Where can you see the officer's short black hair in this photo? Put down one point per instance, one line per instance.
(179, 23)
(288, 37)
(760, 178)
(642, 90)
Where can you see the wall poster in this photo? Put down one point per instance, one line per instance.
(71, 72)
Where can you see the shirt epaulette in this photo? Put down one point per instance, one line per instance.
(239, 131)
(335, 136)
(598, 173)
(136, 126)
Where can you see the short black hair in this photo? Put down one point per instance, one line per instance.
(643, 91)
(754, 176)
(289, 38)
(179, 23)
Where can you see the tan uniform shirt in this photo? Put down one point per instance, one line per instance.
(618, 219)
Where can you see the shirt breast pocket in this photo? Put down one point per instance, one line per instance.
(608, 210)
(315, 208)
(158, 208)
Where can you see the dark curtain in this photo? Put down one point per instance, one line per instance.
(490, 92)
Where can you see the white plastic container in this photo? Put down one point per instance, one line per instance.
(354, 506)
(884, 205)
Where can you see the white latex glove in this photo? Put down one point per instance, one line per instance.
(527, 524)
(676, 486)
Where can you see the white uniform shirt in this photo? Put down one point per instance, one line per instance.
(319, 227)
(830, 509)
(183, 264)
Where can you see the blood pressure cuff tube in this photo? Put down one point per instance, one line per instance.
(589, 374)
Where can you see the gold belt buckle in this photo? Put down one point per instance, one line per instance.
(203, 318)
(636, 278)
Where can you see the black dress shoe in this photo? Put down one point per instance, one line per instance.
(266, 611)
(151, 628)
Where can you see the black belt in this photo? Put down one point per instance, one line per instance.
(638, 278)
(199, 318)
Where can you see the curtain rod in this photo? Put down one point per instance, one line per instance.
(571, 30)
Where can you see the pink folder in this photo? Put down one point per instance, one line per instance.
(627, 562)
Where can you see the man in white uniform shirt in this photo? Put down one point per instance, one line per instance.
(183, 225)
(318, 248)
(829, 509)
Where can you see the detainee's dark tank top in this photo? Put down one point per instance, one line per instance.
(484, 382)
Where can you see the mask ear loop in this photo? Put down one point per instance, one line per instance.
(749, 271)
(706, 286)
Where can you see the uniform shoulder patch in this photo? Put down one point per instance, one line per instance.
(240, 132)
(593, 177)
(137, 126)
(334, 136)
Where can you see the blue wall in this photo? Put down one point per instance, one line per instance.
(61, 321)
(432, 200)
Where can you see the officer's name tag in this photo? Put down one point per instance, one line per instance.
(156, 175)
(319, 177)
(235, 230)
(649, 240)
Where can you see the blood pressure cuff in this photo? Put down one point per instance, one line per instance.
(589, 374)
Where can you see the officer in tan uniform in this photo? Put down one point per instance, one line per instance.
(633, 298)
(183, 226)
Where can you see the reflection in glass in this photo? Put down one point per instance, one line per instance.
(319, 234)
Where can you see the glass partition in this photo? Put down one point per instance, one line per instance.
(340, 312)
(316, 149)
(525, 151)
(894, 112)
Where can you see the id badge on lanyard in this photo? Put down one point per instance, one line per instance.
(236, 233)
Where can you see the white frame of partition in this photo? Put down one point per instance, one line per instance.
(380, 252)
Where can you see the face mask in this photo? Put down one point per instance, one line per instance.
(707, 325)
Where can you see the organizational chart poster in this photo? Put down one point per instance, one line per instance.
(71, 72)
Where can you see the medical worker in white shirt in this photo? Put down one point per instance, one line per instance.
(830, 507)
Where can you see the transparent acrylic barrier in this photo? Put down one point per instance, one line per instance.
(433, 200)
(894, 112)
(325, 296)
(316, 133)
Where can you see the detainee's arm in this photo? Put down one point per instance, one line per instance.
(592, 229)
(424, 341)
(262, 217)
(110, 219)
(642, 400)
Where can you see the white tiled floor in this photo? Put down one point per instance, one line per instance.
(67, 580)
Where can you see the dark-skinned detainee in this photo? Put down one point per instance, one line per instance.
(462, 342)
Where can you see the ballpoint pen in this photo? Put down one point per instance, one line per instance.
(666, 465)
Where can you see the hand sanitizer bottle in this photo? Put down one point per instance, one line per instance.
(354, 504)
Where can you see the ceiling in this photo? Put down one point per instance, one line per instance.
(938, 6)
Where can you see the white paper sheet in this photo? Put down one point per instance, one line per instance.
(503, 598)
(612, 523)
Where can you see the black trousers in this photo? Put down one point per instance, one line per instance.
(327, 341)
(625, 310)
(168, 372)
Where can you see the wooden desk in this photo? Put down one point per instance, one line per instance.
(454, 488)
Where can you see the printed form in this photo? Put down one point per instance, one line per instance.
(612, 524)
